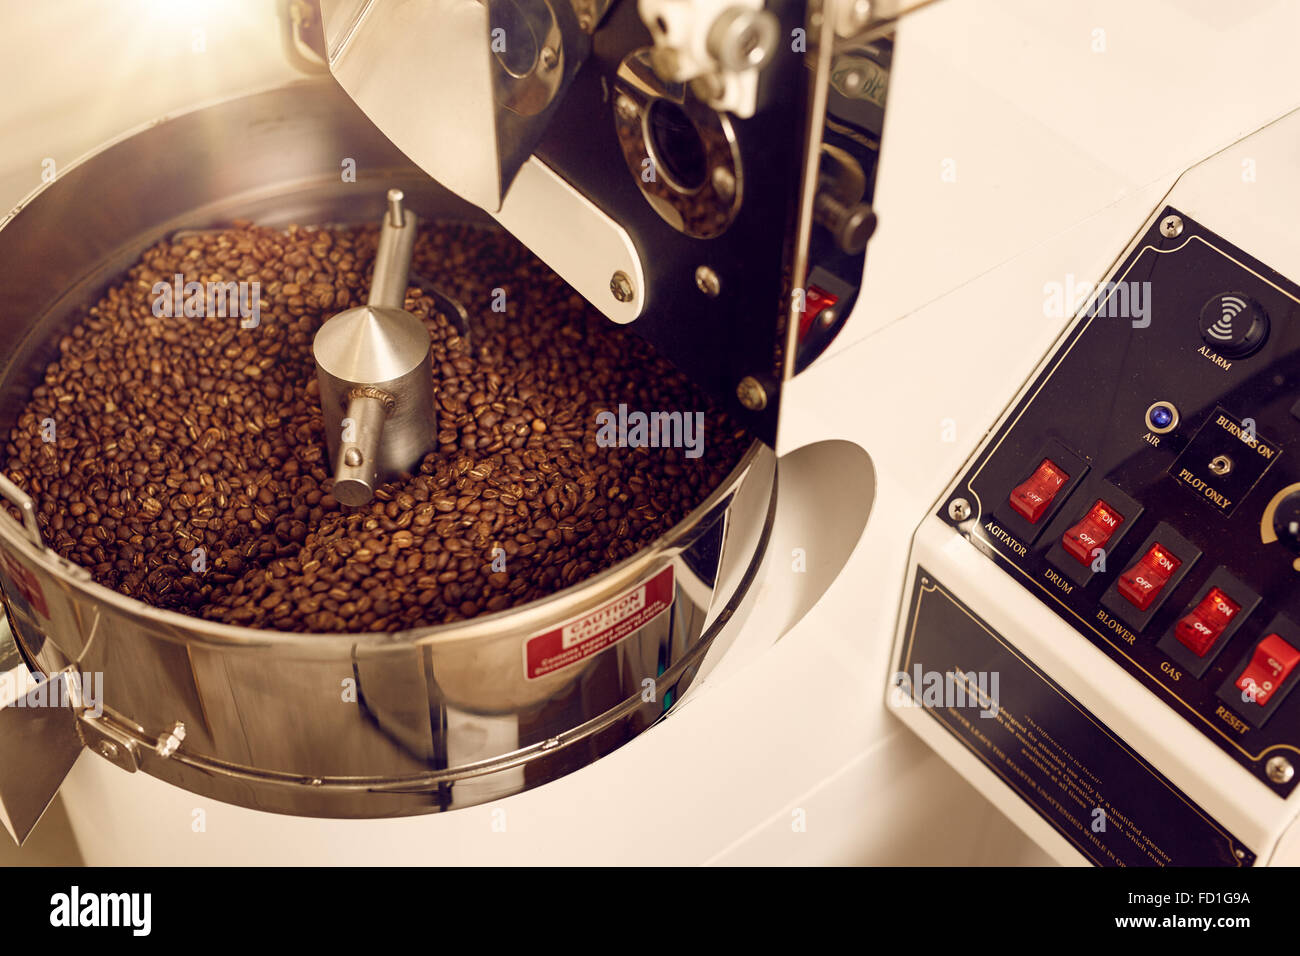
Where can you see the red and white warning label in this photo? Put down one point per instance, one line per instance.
(604, 627)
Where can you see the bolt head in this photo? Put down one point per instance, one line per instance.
(751, 394)
(621, 286)
(959, 509)
(108, 749)
(1279, 770)
(724, 183)
(549, 58)
(1171, 227)
(707, 281)
(626, 108)
(352, 457)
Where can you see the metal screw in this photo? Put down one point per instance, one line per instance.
(1221, 465)
(549, 58)
(108, 749)
(751, 394)
(959, 509)
(170, 742)
(621, 286)
(707, 281)
(584, 23)
(352, 457)
(1279, 770)
(724, 183)
(1171, 227)
(626, 107)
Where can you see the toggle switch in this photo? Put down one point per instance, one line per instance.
(1034, 496)
(1141, 584)
(1199, 630)
(1269, 667)
(1093, 532)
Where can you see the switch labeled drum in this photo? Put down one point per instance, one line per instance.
(1092, 533)
(1034, 496)
(1142, 583)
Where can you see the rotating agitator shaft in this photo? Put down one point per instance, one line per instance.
(373, 368)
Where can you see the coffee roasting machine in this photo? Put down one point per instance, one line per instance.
(858, 227)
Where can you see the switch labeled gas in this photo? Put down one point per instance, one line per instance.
(1093, 532)
(1208, 623)
(1141, 584)
(1271, 664)
(1034, 496)
(1199, 630)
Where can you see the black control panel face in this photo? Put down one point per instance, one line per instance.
(1147, 488)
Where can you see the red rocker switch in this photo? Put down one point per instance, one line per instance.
(1207, 622)
(1032, 498)
(1142, 583)
(1269, 667)
(1093, 532)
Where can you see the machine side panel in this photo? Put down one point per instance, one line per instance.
(1108, 802)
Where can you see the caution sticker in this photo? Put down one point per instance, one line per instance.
(561, 647)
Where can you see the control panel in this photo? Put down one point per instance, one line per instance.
(1146, 487)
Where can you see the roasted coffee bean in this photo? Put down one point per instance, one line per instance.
(187, 433)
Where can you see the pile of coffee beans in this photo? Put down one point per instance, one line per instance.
(182, 459)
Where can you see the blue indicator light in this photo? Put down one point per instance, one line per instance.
(1162, 416)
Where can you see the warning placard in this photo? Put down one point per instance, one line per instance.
(596, 630)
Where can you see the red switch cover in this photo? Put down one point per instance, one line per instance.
(1093, 532)
(1142, 583)
(1269, 667)
(1199, 630)
(1032, 498)
(816, 301)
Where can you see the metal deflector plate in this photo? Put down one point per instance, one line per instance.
(38, 744)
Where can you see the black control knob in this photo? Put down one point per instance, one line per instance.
(1234, 325)
(1286, 521)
